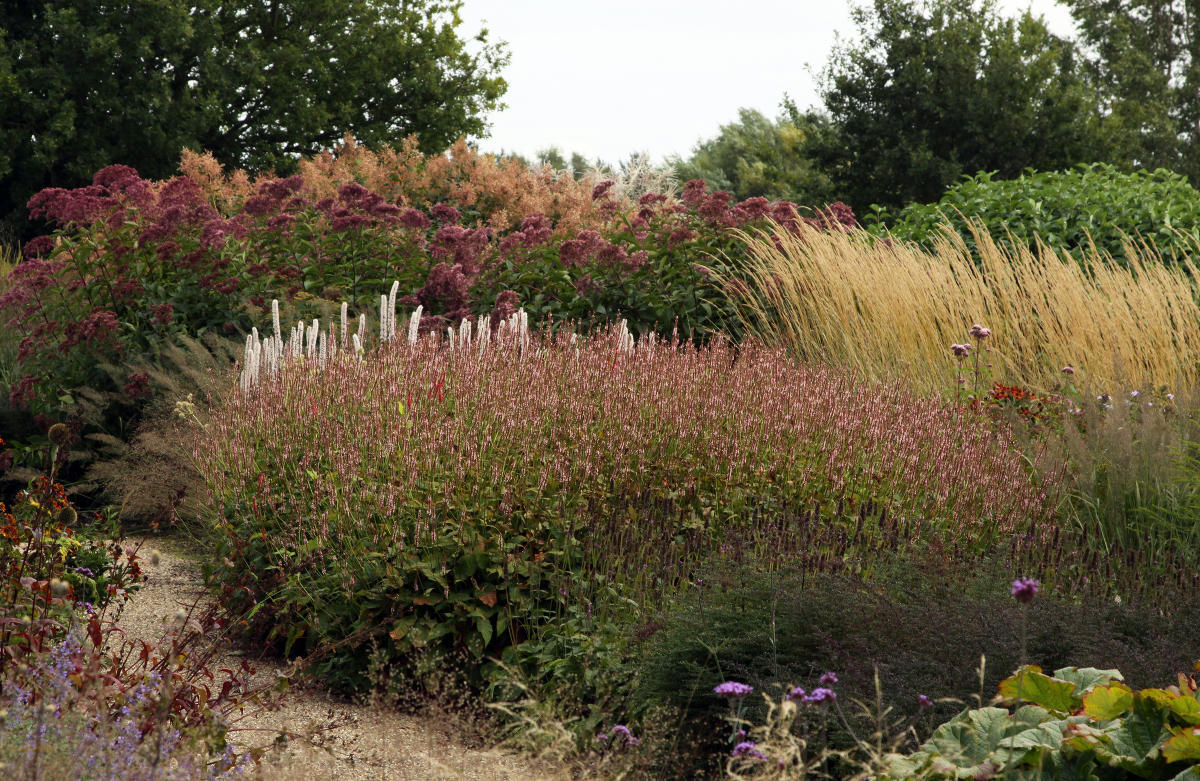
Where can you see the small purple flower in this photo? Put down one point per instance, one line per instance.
(622, 730)
(797, 693)
(748, 748)
(924, 701)
(601, 737)
(820, 695)
(84, 571)
(1024, 589)
(828, 679)
(732, 689)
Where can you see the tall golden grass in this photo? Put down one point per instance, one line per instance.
(888, 310)
(9, 255)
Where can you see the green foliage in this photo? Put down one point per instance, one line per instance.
(48, 568)
(1065, 210)
(920, 624)
(777, 159)
(577, 163)
(935, 91)
(1146, 62)
(257, 83)
(1077, 723)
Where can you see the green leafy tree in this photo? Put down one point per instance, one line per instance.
(755, 156)
(940, 89)
(257, 82)
(576, 163)
(1146, 59)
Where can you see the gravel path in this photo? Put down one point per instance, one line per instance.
(365, 742)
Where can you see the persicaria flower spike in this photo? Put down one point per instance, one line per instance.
(1024, 589)
(733, 689)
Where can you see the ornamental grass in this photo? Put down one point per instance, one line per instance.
(890, 309)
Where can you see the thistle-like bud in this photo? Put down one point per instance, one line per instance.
(59, 587)
(67, 516)
(155, 557)
(60, 434)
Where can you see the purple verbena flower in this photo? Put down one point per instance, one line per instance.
(924, 701)
(747, 748)
(828, 679)
(820, 695)
(732, 689)
(1024, 589)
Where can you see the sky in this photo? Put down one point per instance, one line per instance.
(608, 78)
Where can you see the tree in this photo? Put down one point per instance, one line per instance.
(257, 82)
(941, 89)
(756, 156)
(1145, 56)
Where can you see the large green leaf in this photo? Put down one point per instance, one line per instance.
(1105, 703)
(1030, 684)
(1141, 734)
(1186, 707)
(970, 737)
(1182, 747)
(1087, 678)
(1059, 766)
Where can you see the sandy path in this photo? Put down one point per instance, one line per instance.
(368, 743)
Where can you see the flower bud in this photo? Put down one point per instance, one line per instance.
(59, 587)
(60, 434)
(67, 516)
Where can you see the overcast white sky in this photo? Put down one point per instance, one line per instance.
(611, 77)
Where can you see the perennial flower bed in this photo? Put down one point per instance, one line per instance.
(464, 494)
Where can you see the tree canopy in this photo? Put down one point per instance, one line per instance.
(756, 156)
(255, 82)
(940, 89)
(1145, 58)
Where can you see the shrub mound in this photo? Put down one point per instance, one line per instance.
(469, 495)
(1061, 209)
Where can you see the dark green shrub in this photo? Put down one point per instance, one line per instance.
(920, 625)
(1061, 209)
